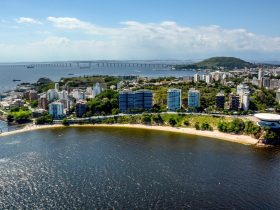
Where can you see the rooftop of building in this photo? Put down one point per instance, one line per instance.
(81, 102)
(137, 91)
(174, 90)
(143, 90)
(220, 94)
(268, 117)
(56, 103)
(193, 90)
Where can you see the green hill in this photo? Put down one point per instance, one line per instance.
(218, 62)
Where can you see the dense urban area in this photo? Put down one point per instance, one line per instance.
(220, 99)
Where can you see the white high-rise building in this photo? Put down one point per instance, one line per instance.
(52, 95)
(96, 90)
(276, 72)
(202, 77)
(224, 76)
(241, 88)
(89, 90)
(78, 94)
(120, 84)
(196, 78)
(244, 93)
(260, 74)
(245, 101)
(188, 78)
(278, 96)
(208, 79)
(63, 94)
(265, 82)
(193, 98)
(56, 110)
(255, 81)
(56, 86)
(274, 84)
(216, 75)
(88, 93)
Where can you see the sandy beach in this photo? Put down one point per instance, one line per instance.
(242, 139)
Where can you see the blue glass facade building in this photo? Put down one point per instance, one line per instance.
(174, 100)
(193, 98)
(135, 100)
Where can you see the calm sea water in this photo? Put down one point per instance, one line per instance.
(86, 168)
(8, 73)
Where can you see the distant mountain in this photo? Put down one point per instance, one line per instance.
(217, 63)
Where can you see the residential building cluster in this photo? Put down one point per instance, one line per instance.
(209, 77)
(60, 101)
(57, 102)
(237, 101)
(268, 79)
(143, 100)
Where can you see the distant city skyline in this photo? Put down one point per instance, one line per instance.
(131, 30)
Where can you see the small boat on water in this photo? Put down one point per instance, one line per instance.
(30, 66)
(16, 80)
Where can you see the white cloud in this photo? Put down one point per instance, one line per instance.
(136, 40)
(28, 20)
(170, 35)
(76, 24)
(69, 23)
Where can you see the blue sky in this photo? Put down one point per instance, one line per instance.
(146, 29)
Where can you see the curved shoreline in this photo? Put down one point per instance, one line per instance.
(241, 139)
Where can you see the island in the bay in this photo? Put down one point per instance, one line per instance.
(226, 98)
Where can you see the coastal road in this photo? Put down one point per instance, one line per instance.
(101, 117)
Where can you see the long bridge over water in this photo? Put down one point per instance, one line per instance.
(95, 64)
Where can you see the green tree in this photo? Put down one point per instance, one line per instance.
(277, 108)
(223, 126)
(21, 116)
(157, 108)
(65, 122)
(146, 119)
(186, 122)
(263, 99)
(237, 125)
(206, 126)
(104, 103)
(271, 137)
(197, 127)
(252, 128)
(10, 118)
(172, 122)
(34, 104)
(115, 111)
(157, 119)
(46, 119)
